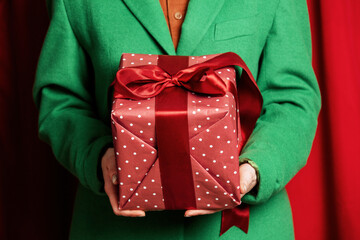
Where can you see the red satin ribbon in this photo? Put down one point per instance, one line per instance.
(148, 81)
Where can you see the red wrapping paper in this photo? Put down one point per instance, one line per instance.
(213, 146)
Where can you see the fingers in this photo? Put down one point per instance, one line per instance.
(111, 183)
(191, 213)
(247, 178)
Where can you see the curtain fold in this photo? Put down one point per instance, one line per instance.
(37, 194)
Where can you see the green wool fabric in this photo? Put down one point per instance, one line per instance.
(79, 60)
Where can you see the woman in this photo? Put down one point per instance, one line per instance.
(78, 62)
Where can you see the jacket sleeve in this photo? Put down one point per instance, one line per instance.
(281, 141)
(63, 93)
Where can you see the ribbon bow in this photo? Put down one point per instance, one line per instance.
(149, 80)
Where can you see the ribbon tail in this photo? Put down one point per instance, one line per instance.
(237, 216)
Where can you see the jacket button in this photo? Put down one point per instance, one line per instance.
(178, 15)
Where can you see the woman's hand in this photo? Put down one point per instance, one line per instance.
(111, 187)
(248, 181)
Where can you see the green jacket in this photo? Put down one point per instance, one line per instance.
(80, 57)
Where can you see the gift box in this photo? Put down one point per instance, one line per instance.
(177, 131)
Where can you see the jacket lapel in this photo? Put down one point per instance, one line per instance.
(199, 16)
(150, 15)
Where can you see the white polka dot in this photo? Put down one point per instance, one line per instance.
(215, 186)
(126, 161)
(224, 167)
(228, 141)
(231, 194)
(155, 206)
(199, 126)
(198, 110)
(152, 180)
(119, 168)
(141, 131)
(115, 138)
(144, 187)
(117, 153)
(217, 175)
(141, 59)
(142, 145)
(218, 137)
(204, 56)
(225, 193)
(193, 148)
(149, 124)
(238, 187)
(124, 59)
(124, 146)
(130, 108)
(129, 176)
(124, 196)
(216, 199)
(226, 204)
(139, 116)
(197, 173)
(232, 157)
(198, 186)
(211, 146)
(206, 169)
(132, 138)
(131, 124)
(225, 127)
(121, 117)
(195, 129)
(113, 122)
(139, 102)
(235, 172)
(147, 107)
(214, 161)
(208, 118)
(151, 139)
(144, 160)
(226, 105)
(206, 180)
(154, 194)
(217, 100)
(228, 181)
(139, 182)
(207, 193)
(121, 104)
(132, 62)
(207, 130)
(228, 70)
(149, 62)
(193, 112)
(199, 199)
(146, 200)
(134, 153)
(203, 154)
(121, 183)
(152, 152)
(221, 151)
(208, 205)
(216, 109)
(137, 168)
(131, 189)
(136, 194)
(199, 101)
(200, 139)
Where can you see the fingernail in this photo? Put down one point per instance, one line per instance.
(114, 178)
(142, 215)
(244, 188)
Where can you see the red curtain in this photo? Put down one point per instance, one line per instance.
(37, 194)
